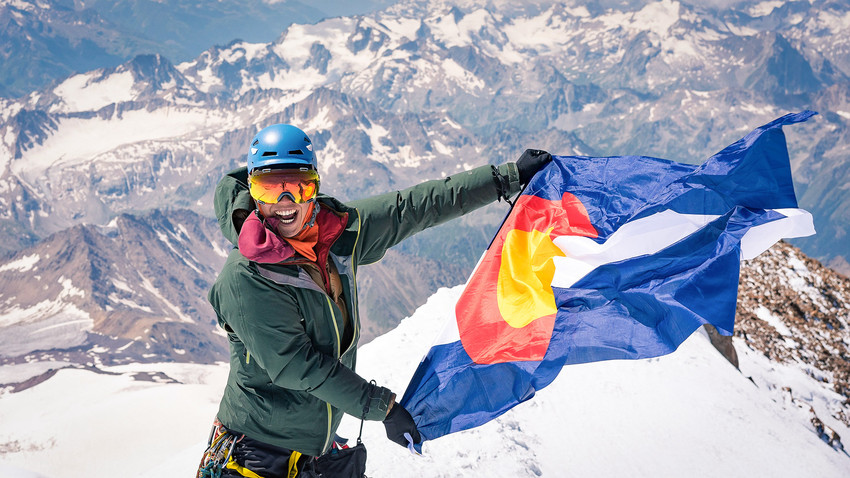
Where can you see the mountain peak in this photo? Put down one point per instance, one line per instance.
(781, 70)
(151, 66)
(139, 282)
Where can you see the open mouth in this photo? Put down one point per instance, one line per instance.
(286, 216)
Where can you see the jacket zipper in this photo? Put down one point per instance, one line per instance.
(336, 327)
(338, 351)
(355, 316)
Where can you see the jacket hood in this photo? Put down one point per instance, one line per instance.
(233, 203)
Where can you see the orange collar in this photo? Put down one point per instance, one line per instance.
(305, 241)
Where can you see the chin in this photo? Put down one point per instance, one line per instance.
(289, 230)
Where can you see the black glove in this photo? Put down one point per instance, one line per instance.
(531, 161)
(399, 422)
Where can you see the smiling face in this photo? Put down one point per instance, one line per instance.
(291, 215)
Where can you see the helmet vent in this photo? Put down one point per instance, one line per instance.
(269, 153)
(296, 151)
(255, 142)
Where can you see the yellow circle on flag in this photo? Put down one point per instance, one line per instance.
(524, 293)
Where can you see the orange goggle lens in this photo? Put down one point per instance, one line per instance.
(271, 187)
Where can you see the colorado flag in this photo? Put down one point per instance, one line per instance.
(605, 258)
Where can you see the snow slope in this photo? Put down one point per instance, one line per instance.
(83, 424)
(687, 414)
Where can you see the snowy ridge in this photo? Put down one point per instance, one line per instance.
(799, 319)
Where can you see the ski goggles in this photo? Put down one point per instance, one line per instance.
(272, 186)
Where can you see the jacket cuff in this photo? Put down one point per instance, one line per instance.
(507, 180)
(379, 402)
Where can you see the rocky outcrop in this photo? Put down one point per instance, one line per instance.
(792, 309)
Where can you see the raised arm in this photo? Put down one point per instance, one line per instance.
(390, 218)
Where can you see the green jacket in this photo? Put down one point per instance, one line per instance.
(291, 378)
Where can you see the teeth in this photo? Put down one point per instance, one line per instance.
(287, 216)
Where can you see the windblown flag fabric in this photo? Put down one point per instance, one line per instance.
(601, 259)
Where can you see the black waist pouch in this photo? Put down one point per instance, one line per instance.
(338, 463)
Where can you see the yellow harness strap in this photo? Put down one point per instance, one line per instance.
(231, 464)
(293, 464)
(291, 473)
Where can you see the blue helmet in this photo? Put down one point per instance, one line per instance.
(281, 146)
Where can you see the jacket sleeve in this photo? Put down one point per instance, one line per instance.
(284, 350)
(390, 218)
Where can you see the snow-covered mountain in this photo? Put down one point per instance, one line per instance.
(47, 40)
(426, 88)
(131, 291)
(690, 413)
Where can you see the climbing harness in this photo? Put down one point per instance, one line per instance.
(219, 451)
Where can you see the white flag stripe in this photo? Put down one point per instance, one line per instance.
(647, 235)
(653, 233)
(797, 223)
